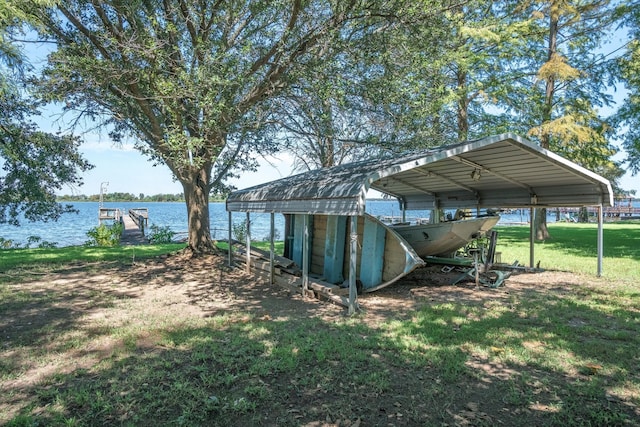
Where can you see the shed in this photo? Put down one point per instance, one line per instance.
(505, 171)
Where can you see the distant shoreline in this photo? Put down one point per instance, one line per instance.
(156, 198)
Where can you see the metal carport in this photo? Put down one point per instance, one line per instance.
(505, 171)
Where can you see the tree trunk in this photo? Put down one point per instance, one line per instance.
(541, 229)
(583, 215)
(463, 107)
(540, 224)
(196, 193)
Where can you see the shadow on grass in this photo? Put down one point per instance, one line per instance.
(41, 320)
(524, 362)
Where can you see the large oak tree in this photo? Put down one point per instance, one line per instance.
(192, 81)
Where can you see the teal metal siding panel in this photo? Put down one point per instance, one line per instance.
(297, 246)
(372, 258)
(334, 248)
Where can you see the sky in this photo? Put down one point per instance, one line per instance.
(128, 171)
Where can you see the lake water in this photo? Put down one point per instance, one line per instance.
(72, 229)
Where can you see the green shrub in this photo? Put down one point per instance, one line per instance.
(105, 235)
(159, 235)
(8, 244)
(42, 244)
(240, 231)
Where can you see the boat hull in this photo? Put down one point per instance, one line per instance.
(444, 238)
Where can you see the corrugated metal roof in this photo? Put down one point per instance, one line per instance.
(499, 171)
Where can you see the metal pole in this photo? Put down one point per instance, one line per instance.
(532, 237)
(230, 243)
(248, 248)
(272, 254)
(600, 240)
(353, 257)
(305, 256)
(103, 189)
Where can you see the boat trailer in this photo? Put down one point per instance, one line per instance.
(476, 264)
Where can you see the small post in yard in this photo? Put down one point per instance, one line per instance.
(532, 237)
(305, 255)
(230, 243)
(600, 240)
(272, 252)
(353, 262)
(248, 248)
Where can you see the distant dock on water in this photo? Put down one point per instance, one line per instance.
(610, 213)
(135, 222)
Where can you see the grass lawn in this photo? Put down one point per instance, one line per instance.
(29, 258)
(97, 337)
(573, 247)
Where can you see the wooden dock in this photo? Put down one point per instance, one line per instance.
(132, 234)
(135, 223)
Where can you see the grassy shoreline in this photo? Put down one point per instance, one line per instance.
(572, 247)
(32, 257)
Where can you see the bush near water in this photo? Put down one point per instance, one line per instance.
(105, 235)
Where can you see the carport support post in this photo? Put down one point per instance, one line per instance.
(272, 253)
(353, 262)
(248, 248)
(230, 243)
(532, 237)
(600, 240)
(305, 256)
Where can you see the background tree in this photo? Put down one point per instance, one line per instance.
(482, 37)
(319, 125)
(629, 72)
(34, 164)
(559, 105)
(378, 95)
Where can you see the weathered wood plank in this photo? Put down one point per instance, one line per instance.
(327, 288)
(279, 260)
